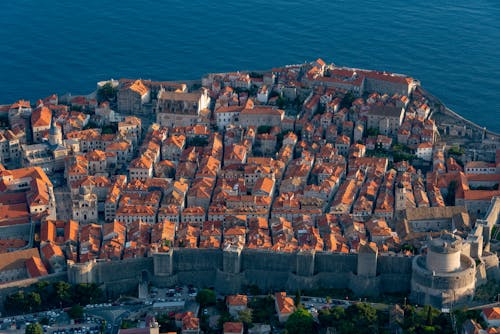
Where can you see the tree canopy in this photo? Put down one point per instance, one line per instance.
(300, 321)
(34, 329)
(106, 93)
(75, 312)
(357, 318)
(206, 297)
(45, 296)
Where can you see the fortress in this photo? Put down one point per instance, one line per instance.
(445, 276)
(230, 270)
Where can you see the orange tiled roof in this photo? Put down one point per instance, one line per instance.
(233, 327)
(237, 300)
(285, 304)
(41, 117)
(492, 313)
(35, 267)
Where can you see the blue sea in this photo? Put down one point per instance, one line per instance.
(58, 46)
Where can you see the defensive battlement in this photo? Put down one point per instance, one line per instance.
(446, 244)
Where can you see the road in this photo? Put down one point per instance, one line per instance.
(113, 315)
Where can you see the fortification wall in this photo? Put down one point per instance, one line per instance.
(266, 280)
(388, 264)
(491, 263)
(111, 271)
(129, 269)
(440, 289)
(326, 262)
(252, 259)
(187, 259)
(231, 271)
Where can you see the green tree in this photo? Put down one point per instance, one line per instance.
(166, 323)
(263, 309)
(372, 132)
(334, 317)
(225, 316)
(34, 301)
(106, 93)
(364, 316)
(16, 302)
(76, 312)
(86, 293)
(245, 316)
(456, 150)
(347, 100)
(206, 297)
(126, 324)
(297, 298)
(44, 290)
(34, 329)
(62, 293)
(103, 326)
(300, 321)
(110, 129)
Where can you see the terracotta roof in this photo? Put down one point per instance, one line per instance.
(237, 300)
(233, 327)
(35, 267)
(118, 146)
(16, 260)
(41, 117)
(190, 323)
(285, 304)
(141, 162)
(49, 250)
(138, 87)
(492, 313)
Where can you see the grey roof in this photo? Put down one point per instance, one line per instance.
(386, 111)
(433, 212)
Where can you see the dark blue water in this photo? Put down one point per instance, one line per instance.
(453, 47)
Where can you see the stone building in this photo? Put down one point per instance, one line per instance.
(176, 109)
(445, 276)
(85, 206)
(386, 119)
(40, 123)
(261, 115)
(132, 96)
(10, 149)
(13, 265)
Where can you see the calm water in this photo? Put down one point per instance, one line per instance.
(453, 47)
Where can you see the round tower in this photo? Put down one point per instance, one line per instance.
(55, 134)
(444, 277)
(443, 254)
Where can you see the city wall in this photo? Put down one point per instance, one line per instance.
(229, 271)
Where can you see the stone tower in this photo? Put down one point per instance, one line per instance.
(55, 134)
(367, 260)
(445, 276)
(400, 197)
